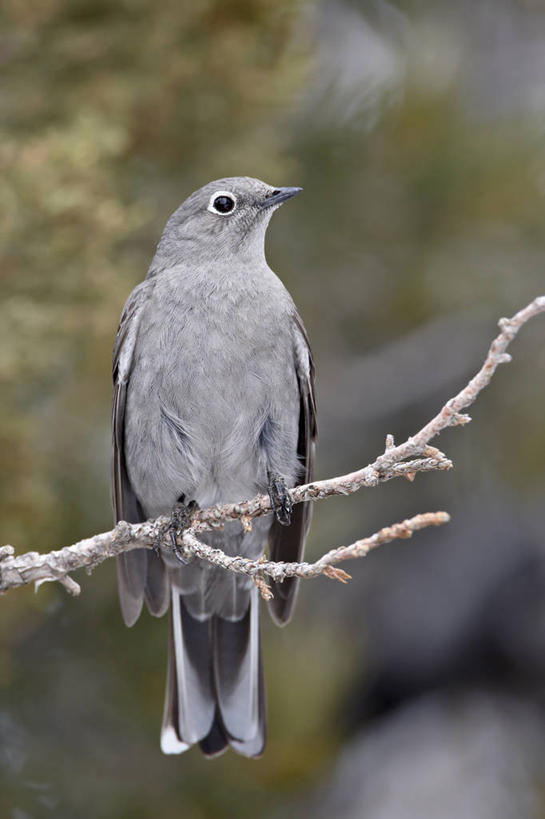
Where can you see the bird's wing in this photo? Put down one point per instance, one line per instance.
(287, 543)
(140, 572)
(124, 501)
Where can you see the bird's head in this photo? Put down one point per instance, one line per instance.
(226, 216)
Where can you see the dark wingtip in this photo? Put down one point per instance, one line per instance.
(283, 601)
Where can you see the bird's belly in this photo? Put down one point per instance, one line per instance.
(210, 428)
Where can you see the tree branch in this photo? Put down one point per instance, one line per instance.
(405, 460)
(257, 569)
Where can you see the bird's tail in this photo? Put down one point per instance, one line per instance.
(215, 690)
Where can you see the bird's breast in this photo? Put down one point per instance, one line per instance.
(214, 371)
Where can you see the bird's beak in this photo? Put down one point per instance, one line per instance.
(278, 196)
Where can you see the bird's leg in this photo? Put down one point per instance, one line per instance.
(280, 498)
(180, 519)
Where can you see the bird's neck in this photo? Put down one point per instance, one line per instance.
(188, 252)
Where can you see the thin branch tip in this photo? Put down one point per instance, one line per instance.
(337, 574)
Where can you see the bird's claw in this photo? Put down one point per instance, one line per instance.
(180, 518)
(280, 499)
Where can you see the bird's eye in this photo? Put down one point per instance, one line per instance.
(222, 202)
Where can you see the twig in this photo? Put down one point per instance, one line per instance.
(33, 567)
(325, 565)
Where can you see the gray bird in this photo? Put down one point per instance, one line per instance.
(213, 403)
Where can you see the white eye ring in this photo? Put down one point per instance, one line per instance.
(213, 198)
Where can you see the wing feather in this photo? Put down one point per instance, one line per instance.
(287, 543)
(139, 573)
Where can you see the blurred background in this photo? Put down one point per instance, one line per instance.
(417, 131)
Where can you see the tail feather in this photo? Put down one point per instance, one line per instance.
(215, 690)
(216, 742)
(170, 732)
(254, 747)
(237, 661)
(193, 672)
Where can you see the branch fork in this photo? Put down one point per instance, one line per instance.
(403, 460)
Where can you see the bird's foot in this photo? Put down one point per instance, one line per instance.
(280, 498)
(180, 518)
